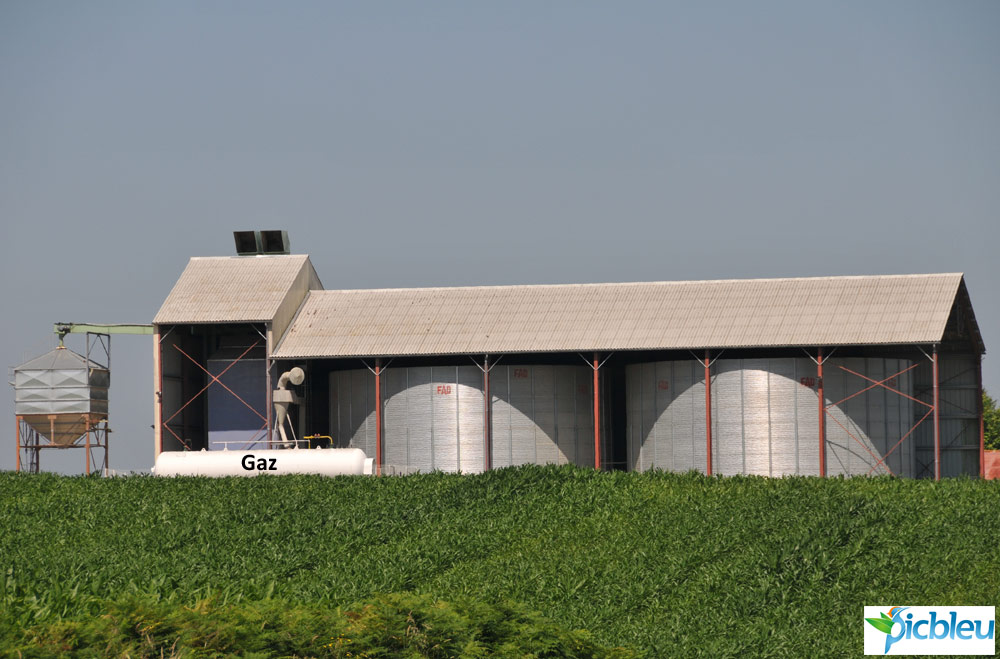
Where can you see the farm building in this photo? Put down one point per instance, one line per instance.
(829, 375)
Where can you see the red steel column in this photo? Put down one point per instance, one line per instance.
(822, 414)
(708, 415)
(982, 435)
(378, 417)
(18, 432)
(87, 444)
(487, 425)
(597, 414)
(937, 417)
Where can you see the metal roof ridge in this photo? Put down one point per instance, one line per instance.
(641, 283)
(249, 256)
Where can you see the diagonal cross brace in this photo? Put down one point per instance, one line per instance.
(203, 389)
(885, 386)
(880, 383)
(215, 380)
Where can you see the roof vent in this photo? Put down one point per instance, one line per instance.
(255, 243)
(274, 242)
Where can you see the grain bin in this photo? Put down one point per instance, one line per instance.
(61, 395)
(433, 416)
(543, 414)
(765, 416)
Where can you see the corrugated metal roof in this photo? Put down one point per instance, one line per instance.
(890, 309)
(230, 289)
(58, 359)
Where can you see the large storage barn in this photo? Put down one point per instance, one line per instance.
(828, 375)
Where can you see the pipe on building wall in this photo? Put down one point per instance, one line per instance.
(937, 414)
(597, 414)
(822, 413)
(708, 415)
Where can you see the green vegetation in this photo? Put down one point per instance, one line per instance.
(991, 423)
(670, 565)
(396, 625)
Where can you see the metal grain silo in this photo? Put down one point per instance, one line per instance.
(665, 410)
(61, 397)
(543, 414)
(433, 416)
(765, 416)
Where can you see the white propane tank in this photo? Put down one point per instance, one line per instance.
(322, 461)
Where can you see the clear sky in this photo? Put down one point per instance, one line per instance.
(458, 143)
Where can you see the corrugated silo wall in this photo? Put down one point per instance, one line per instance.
(544, 414)
(765, 416)
(433, 416)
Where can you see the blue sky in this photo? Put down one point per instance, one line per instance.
(452, 143)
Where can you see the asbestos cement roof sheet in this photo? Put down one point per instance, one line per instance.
(858, 310)
(231, 289)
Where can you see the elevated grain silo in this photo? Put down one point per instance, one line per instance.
(61, 401)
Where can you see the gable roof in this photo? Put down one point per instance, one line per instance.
(229, 289)
(819, 311)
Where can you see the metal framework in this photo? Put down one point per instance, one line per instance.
(880, 383)
(30, 442)
(215, 379)
(96, 432)
(944, 402)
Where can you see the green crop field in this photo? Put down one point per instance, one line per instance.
(660, 564)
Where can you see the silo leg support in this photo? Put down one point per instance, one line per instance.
(89, 430)
(18, 440)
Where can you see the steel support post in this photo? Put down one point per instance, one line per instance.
(708, 415)
(982, 434)
(270, 405)
(18, 440)
(597, 413)
(378, 417)
(937, 415)
(822, 412)
(487, 422)
(87, 443)
(158, 402)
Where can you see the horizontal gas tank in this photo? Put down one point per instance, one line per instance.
(322, 461)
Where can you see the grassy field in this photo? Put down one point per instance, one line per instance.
(665, 564)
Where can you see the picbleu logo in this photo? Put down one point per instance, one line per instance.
(930, 630)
